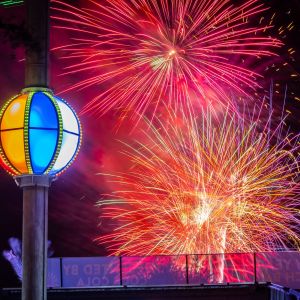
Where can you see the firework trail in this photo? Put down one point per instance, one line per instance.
(140, 53)
(206, 185)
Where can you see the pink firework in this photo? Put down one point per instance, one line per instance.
(140, 53)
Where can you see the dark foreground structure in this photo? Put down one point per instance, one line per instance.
(266, 291)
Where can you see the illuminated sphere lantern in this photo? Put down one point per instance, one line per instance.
(39, 134)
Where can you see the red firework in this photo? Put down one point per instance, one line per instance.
(140, 53)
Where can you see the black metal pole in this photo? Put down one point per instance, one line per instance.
(37, 48)
(187, 269)
(121, 270)
(255, 267)
(35, 232)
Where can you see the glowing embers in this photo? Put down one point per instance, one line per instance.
(206, 184)
(39, 134)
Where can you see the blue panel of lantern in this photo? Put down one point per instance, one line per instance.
(39, 133)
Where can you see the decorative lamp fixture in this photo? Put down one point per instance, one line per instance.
(39, 133)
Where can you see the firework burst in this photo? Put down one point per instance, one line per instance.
(141, 53)
(206, 185)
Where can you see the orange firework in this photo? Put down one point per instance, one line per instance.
(206, 185)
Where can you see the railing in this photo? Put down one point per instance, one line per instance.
(278, 267)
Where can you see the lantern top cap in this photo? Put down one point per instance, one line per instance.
(33, 89)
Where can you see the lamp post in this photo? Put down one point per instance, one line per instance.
(40, 136)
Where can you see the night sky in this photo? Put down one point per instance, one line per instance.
(73, 218)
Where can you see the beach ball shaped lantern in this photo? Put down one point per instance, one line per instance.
(39, 134)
